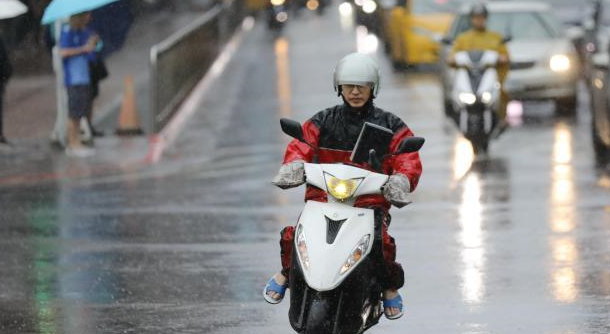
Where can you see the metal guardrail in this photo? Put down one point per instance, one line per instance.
(180, 61)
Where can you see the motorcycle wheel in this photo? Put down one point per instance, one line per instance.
(480, 145)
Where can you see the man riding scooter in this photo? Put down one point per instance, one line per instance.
(479, 38)
(332, 134)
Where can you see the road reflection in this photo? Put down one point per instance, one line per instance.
(472, 241)
(462, 159)
(365, 41)
(44, 261)
(564, 281)
(282, 64)
(346, 16)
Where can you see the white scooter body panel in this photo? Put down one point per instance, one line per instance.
(326, 260)
(489, 81)
(461, 79)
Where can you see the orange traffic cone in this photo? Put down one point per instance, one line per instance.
(129, 124)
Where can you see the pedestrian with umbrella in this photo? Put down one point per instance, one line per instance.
(77, 44)
(71, 61)
(5, 73)
(8, 9)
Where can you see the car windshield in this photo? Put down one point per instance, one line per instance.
(518, 25)
(569, 12)
(419, 7)
(605, 14)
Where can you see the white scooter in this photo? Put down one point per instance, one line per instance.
(476, 96)
(337, 257)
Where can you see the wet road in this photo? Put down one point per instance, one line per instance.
(515, 244)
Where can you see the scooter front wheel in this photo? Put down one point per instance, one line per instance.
(318, 321)
(479, 145)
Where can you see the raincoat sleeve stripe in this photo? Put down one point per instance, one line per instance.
(407, 164)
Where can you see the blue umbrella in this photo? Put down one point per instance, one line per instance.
(59, 9)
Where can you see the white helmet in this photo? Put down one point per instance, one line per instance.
(357, 69)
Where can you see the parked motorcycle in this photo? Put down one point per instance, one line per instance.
(334, 276)
(476, 96)
(277, 15)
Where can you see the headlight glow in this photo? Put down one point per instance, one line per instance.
(302, 248)
(356, 254)
(277, 2)
(467, 98)
(369, 6)
(312, 4)
(341, 189)
(559, 63)
(486, 97)
(281, 17)
(345, 9)
(359, 3)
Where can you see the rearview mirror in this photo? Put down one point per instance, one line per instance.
(292, 128)
(446, 40)
(588, 25)
(575, 33)
(601, 60)
(410, 145)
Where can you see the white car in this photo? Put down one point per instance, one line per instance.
(544, 63)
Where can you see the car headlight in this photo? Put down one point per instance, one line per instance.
(277, 2)
(346, 9)
(369, 6)
(486, 97)
(356, 254)
(559, 63)
(302, 248)
(341, 189)
(467, 98)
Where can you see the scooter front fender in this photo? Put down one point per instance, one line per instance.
(331, 232)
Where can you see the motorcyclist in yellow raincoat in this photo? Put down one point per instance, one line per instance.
(479, 38)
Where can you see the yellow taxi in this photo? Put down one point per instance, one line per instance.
(413, 29)
(256, 5)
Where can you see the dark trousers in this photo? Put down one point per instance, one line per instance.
(1, 109)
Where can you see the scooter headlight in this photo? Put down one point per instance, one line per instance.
(277, 2)
(486, 97)
(341, 189)
(467, 98)
(302, 248)
(356, 254)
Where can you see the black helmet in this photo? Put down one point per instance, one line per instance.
(479, 9)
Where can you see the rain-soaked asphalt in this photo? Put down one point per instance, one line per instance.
(519, 243)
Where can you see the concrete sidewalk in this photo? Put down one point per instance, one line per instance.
(30, 100)
(32, 160)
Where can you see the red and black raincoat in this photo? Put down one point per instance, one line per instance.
(334, 132)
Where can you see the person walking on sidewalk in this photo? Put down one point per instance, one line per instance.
(5, 73)
(76, 44)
